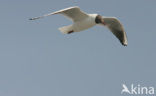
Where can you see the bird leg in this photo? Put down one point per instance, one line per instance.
(70, 32)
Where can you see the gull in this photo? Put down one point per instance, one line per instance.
(83, 21)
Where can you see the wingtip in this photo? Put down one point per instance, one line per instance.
(33, 18)
(36, 18)
(124, 44)
(30, 18)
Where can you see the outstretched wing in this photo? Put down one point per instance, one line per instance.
(116, 28)
(73, 13)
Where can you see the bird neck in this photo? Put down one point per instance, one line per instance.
(93, 15)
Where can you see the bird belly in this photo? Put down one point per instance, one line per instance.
(83, 25)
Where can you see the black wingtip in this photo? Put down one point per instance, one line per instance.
(34, 18)
(30, 19)
(124, 44)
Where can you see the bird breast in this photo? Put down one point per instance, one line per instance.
(84, 24)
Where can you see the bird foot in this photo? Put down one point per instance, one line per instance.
(70, 32)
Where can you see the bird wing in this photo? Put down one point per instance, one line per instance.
(116, 28)
(73, 13)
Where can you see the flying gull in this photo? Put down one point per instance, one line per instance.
(83, 21)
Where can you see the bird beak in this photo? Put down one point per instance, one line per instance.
(103, 22)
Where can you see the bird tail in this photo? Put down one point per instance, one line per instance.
(66, 29)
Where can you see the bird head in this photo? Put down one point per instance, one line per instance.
(99, 20)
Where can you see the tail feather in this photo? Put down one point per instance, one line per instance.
(66, 29)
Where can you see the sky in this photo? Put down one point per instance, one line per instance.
(36, 59)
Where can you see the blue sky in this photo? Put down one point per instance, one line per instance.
(38, 60)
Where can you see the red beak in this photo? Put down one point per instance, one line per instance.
(103, 22)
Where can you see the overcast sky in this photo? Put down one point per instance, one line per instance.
(36, 59)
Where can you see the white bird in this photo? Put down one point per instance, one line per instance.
(83, 21)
